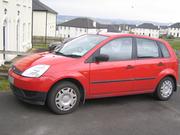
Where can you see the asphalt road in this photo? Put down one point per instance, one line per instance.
(129, 115)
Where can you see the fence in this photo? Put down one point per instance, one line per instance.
(42, 42)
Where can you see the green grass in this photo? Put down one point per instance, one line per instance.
(40, 46)
(175, 43)
(4, 85)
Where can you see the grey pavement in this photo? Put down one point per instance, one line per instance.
(129, 115)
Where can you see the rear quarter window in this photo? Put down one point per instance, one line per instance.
(164, 50)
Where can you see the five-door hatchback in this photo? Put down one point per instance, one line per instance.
(96, 66)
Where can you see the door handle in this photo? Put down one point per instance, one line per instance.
(160, 64)
(130, 67)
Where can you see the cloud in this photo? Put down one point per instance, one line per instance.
(149, 10)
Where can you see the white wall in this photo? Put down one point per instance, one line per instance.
(73, 32)
(174, 32)
(51, 25)
(21, 41)
(163, 31)
(1, 29)
(146, 32)
(41, 25)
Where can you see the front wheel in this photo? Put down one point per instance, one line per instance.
(63, 98)
(165, 89)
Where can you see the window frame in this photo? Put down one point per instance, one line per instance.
(91, 59)
(159, 49)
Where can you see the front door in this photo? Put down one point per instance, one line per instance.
(115, 75)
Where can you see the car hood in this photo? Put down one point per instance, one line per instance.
(43, 58)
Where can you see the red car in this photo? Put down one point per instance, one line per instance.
(96, 66)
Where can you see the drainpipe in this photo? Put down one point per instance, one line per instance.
(46, 29)
(32, 25)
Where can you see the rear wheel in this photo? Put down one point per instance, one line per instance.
(165, 89)
(63, 98)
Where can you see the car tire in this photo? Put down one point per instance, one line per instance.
(165, 89)
(63, 98)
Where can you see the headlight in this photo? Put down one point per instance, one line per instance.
(35, 71)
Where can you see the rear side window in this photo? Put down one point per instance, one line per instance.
(147, 48)
(164, 50)
(118, 49)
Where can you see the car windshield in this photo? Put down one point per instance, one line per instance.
(80, 46)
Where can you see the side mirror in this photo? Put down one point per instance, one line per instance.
(101, 57)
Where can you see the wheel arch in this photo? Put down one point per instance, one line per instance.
(171, 76)
(74, 81)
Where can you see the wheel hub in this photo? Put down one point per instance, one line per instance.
(166, 88)
(66, 99)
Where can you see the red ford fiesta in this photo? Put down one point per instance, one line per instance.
(95, 66)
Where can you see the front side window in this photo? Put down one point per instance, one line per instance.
(81, 45)
(118, 49)
(147, 49)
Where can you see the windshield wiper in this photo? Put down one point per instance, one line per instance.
(68, 55)
(72, 55)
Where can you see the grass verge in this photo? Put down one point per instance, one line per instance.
(175, 43)
(4, 85)
(40, 46)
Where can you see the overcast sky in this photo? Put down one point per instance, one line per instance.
(145, 10)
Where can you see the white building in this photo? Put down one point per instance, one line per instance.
(147, 29)
(79, 26)
(44, 20)
(174, 30)
(163, 30)
(15, 26)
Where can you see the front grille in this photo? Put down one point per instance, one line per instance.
(17, 91)
(16, 70)
(23, 93)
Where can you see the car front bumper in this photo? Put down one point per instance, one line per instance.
(32, 97)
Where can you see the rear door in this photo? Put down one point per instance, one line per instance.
(114, 76)
(148, 64)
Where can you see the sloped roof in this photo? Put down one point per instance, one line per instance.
(83, 23)
(39, 6)
(176, 25)
(163, 27)
(148, 26)
(113, 28)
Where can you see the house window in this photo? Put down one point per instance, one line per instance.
(17, 35)
(24, 36)
(5, 1)
(29, 31)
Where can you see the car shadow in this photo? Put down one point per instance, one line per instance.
(92, 103)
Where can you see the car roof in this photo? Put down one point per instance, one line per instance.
(116, 35)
